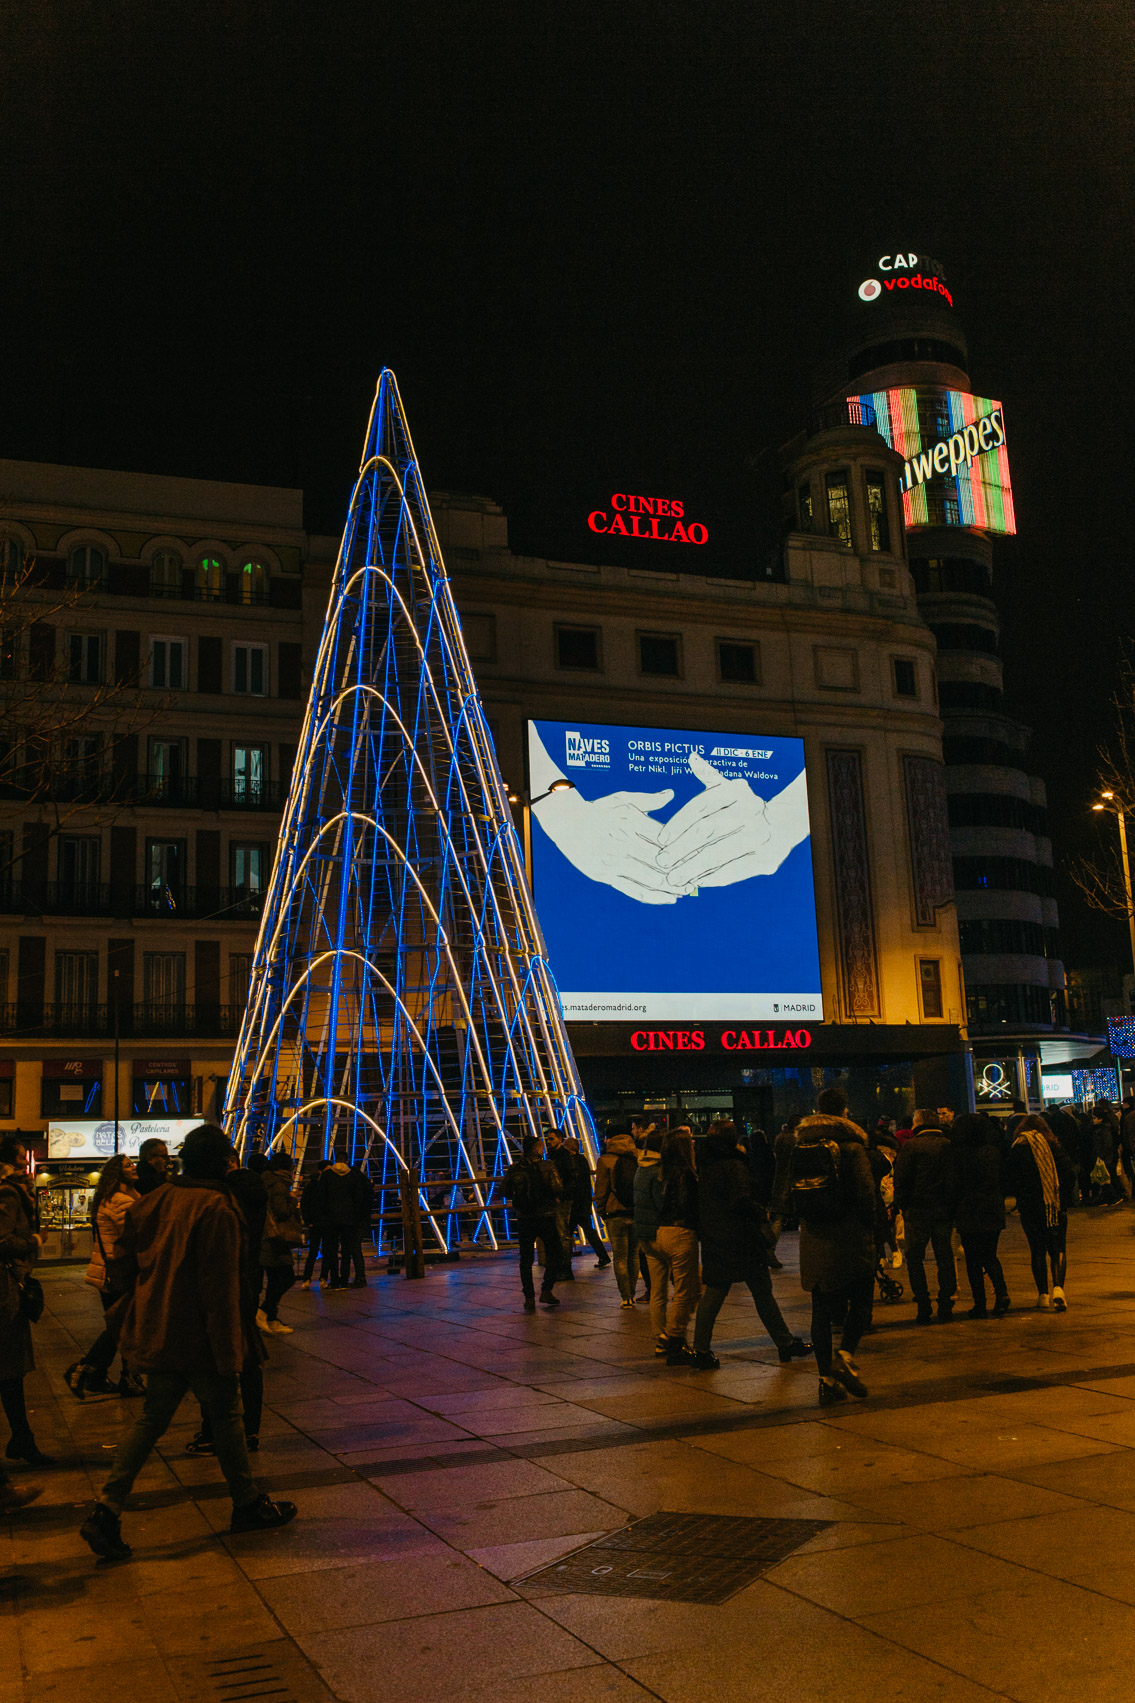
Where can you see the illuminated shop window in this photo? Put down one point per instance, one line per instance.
(877, 511)
(839, 508)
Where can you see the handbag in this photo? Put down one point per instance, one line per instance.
(31, 1299)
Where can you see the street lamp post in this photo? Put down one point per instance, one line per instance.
(1108, 802)
(523, 799)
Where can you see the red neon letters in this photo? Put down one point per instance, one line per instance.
(731, 1040)
(644, 515)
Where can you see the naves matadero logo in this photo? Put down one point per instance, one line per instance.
(658, 520)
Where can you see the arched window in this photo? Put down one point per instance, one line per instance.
(165, 574)
(210, 580)
(86, 565)
(11, 558)
(253, 582)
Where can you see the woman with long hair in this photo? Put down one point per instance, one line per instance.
(1041, 1175)
(115, 1194)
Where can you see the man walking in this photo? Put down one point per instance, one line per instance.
(309, 1212)
(532, 1185)
(182, 1326)
(566, 1165)
(926, 1187)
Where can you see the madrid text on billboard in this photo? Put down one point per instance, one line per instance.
(657, 520)
(948, 454)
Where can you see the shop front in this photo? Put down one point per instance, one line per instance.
(761, 1076)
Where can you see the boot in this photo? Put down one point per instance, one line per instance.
(678, 1353)
(1001, 1306)
(795, 1349)
(831, 1392)
(102, 1531)
(846, 1372)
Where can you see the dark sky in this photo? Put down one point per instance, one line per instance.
(593, 241)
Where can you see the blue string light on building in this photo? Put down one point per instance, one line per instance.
(401, 1012)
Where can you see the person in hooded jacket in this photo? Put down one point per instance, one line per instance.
(736, 1234)
(614, 1201)
(926, 1185)
(837, 1254)
(1042, 1177)
(979, 1212)
(338, 1208)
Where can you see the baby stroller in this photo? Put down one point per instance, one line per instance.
(890, 1289)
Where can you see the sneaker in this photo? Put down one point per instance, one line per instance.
(530, 1303)
(278, 1327)
(74, 1378)
(601, 1265)
(305, 1284)
(642, 1300)
(1059, 1304)
(262, 1515)
(200, 1445)
(261, 1318)
(661, 1344)
(1044, 1302)
(547, 1299)
(626, 1303)
(102, 1532)
(846, 1372)
(794, 1350)
(678, 1352)
(1001, 1306)
(831, 1392)
(13, 1496)
(705, 1360)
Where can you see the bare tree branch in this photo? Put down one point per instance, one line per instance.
(1100, 879)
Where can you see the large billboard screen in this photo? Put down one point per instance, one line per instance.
(673, 878)
(953, 444)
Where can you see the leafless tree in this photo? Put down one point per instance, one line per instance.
(58, 731)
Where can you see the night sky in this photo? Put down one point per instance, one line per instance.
(603, 241)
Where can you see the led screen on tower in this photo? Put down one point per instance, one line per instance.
(673, 879)
(956, 469)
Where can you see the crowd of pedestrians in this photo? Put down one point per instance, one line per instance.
(190, 1268)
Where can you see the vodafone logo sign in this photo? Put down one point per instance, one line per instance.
(869, 289)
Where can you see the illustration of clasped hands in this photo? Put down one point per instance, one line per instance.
(726, 833)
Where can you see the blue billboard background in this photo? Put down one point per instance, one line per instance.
(673, 880)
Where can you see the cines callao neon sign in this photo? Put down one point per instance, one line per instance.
(657, 520)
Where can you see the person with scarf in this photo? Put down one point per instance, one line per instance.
(1042, 1177)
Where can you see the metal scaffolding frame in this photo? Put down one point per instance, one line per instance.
(401, 1010)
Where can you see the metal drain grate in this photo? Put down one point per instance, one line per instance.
(702, 1558)
(264, 1673)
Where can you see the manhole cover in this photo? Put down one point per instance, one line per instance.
(703, 1558)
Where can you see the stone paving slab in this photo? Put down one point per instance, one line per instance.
(441, 1444)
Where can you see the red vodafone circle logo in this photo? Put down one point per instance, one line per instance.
(869, 289)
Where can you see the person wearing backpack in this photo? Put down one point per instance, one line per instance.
(832, 1193)
(666, 1206)
(736, 1235)
(614, 1201)
(533, 1187)
(926, 1190)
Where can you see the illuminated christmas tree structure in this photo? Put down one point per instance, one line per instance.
(401, 1013)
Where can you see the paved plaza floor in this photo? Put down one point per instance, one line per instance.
(976, 1533)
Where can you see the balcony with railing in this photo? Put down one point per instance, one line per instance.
(110, 899)
(32, 1020)
(187, 792)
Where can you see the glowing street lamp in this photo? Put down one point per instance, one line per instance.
(522, 798)
(1108, 802)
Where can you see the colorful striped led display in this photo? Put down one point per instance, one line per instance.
(953, 444)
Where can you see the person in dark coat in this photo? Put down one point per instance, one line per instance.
(1086, 1155)
(567, 1166)
(979, 1212)
(338, 1205)
(1042, 1177)
(582, 1201)
(182, 1325)
(532, 1186)
(250, 1196)
(837, 1256)
(735, 1238)
(364, 1197)
(926, 1185)
(283, 1234)
(1105, 1127)
(309, 1208)
(153, 1165)
(20, 1243)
